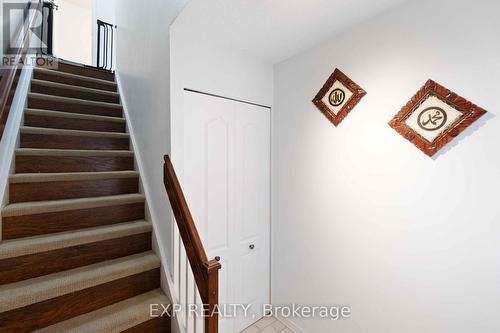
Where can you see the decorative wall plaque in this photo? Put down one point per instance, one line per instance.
(434, 117)
(338, 97)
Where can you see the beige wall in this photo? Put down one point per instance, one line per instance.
(73, 30)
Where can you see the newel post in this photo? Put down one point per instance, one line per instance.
(212, 296)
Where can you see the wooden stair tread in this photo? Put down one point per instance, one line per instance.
(114, 318)
(69, 176)
(37, 160)
(55, 138)
(80, 81)
(67, 66)
(70, 115)
(74, 121)
(27, 292)
(71, 152)
(41, 207)
(50, 242)
(61, 89)
(67, 132)
(74, 100)
(30, 187)
(73, 87)
(74, 76)
(74, 105)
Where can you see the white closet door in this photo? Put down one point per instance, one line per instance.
(227, 184)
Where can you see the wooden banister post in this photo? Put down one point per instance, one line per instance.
(212, 297)
(206, 273)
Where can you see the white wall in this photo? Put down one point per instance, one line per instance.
(73, 30)
(361, 216)
(103, 10)
(143, 72)
(214, 69)
(207, 67)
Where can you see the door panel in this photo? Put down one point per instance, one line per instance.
(250, 264)
(251, 182)
(252, 178)
(217, 155)
(226, 180)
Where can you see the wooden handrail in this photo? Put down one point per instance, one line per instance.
(206, 272)
(9, 76)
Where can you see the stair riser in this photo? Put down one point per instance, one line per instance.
(51, 164)
(73, 142)
(65, 307)
(39, 75)
(84, 71)
(72, 107)
(60, 190)
(161, 324)
(31, 266)
(73, 124)
(47, 223)
(72, 93)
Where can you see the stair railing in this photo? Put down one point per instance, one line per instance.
(205, 272)
(9, 75)
(47, 27)
(105, 45)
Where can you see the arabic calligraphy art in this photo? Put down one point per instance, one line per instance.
(434, 117)
(338, 96)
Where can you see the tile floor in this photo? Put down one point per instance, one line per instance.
(268, 325)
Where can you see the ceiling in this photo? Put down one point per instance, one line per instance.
(275, 29)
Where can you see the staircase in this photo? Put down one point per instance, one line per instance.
(76, 253)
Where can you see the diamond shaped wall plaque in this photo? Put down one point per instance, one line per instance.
(338, 97)
(434, 117)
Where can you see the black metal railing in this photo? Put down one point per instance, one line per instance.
(47, 27)
(105, 44)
